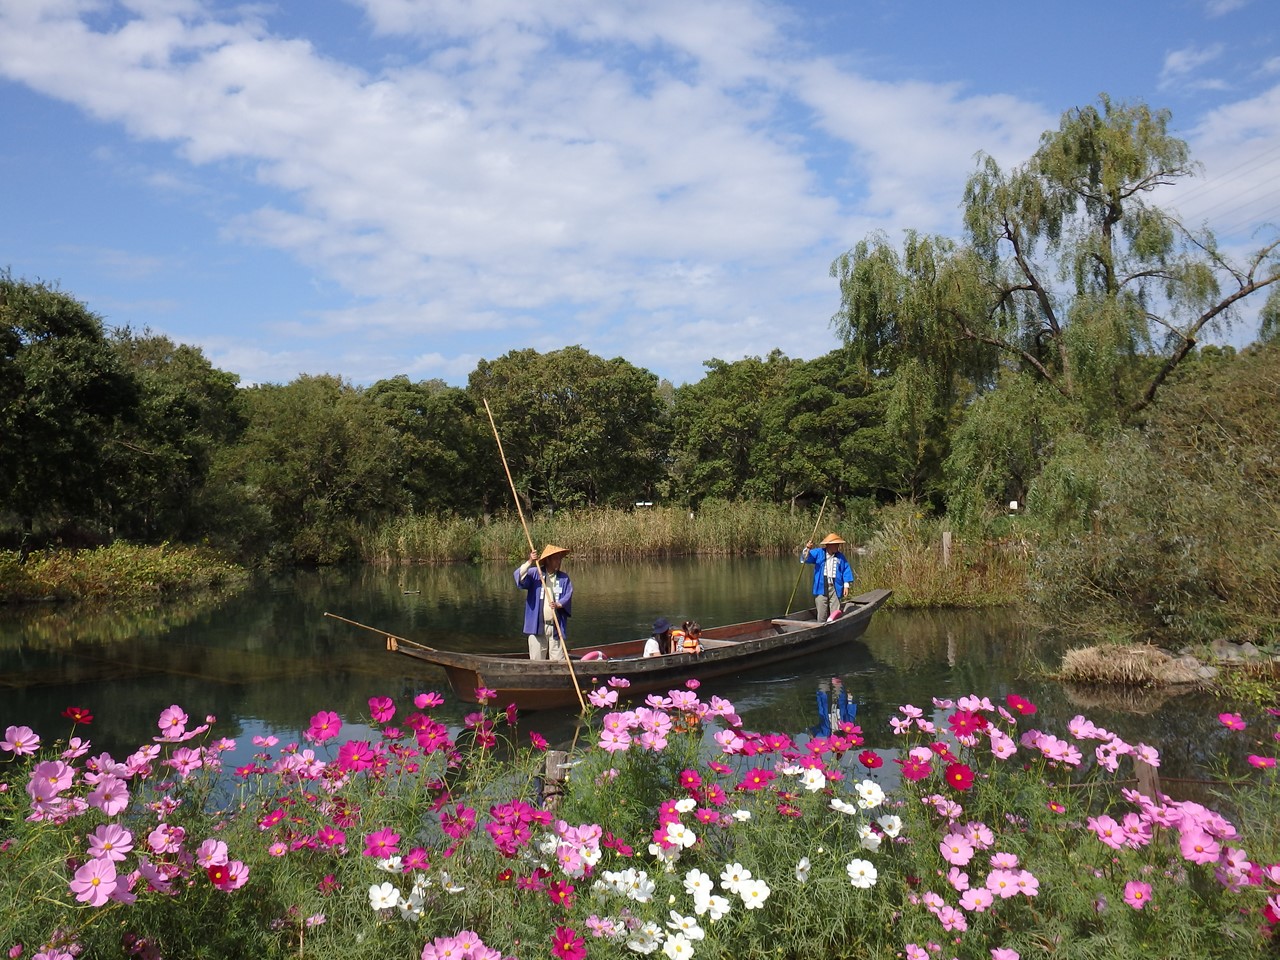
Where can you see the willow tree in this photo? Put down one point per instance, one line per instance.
(1069, 282)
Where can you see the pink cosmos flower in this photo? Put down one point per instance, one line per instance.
(614, 740)
(21, 741)
(173, 722)
(485, 694)
(1232, 721)
(1003, 883)
(1198, 847)
(1137, 893)
(1005, 953)
(211, 852)
(976, 900)
(1107, 830)
(956, 849)
(110, 842)
(95, 882)
(1262, 763)
(602, 697)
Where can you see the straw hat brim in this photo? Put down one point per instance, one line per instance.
(551, 550)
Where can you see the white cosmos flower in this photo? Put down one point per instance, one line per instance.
(802, 870)
(685, 925)
(753, 893)
(411, 908)
(842, 806)
(449, 885)
(862, 874)
(678, 947)
(870, 795)
(891, 824)
(646, 938)
(390, 865)
(813, 779)
(680, 835)
(733, 875)
(696, 882)
(742, 815)
(685, 804)
(667, 856)
(868, 838)
(384, 896)
(713, 905)
(790, 769)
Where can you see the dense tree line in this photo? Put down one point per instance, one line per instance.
(971, 371)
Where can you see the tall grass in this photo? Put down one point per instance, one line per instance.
(906, 555)
(718, 528)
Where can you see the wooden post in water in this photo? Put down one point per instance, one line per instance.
(553, 779)
(1148, 779)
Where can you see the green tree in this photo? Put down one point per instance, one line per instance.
(718, 425)
(162, 457)
(447, 454)
(577, 430)
(1068, 276)
(63, 395)
(823, 435)
(318, 459)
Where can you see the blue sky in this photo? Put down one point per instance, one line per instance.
(376, 187)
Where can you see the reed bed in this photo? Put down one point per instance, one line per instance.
(906, 555)
(1135, 665)
(725, 529)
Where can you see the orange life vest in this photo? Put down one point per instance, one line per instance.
(682, 642)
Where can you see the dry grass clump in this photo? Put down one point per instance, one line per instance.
(1137, 665)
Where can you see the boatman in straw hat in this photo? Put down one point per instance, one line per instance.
(542, 608)
(832, 575)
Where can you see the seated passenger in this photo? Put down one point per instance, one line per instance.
(660, 642)
(690, 638)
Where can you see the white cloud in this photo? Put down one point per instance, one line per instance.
(1179, 65)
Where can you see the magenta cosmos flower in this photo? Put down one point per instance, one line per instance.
(959, 776)
(325, 725)
(1232, 721)
(567, 945)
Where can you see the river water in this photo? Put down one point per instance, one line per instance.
(266, 659)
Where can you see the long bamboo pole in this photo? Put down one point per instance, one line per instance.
(533, 550)
(817, 523)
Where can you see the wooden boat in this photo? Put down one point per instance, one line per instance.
(731, 649)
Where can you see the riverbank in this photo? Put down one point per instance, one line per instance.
(120, 572)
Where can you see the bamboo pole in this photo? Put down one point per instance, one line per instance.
(533, 550)
(817, 523)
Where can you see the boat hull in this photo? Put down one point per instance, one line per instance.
(730, 649)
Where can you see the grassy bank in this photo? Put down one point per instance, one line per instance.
(119, 572)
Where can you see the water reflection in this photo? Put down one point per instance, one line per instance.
(266, 659)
